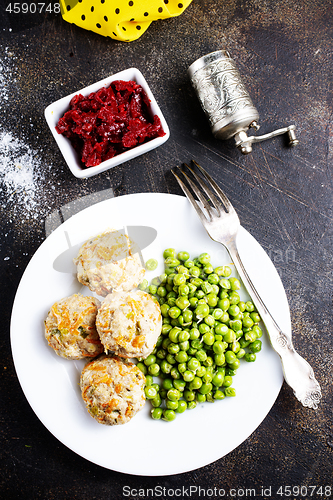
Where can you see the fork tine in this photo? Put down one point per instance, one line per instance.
(190, 197)
(205, 187)
(197, 191)
(216, 188)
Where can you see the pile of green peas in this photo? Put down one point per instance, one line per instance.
(206, 331)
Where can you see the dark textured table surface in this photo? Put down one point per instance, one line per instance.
(283, 196)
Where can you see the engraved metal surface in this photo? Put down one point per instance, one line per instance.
(222, 93)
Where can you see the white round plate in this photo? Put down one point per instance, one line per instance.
(51, 384)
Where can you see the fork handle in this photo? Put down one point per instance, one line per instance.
(298, 373)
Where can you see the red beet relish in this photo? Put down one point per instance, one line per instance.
(108, 122)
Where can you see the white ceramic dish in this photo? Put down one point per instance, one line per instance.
(143, 446)
(57, 109)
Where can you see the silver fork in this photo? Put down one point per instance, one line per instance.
(221, 222)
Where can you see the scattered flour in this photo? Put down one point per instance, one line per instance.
(22, 178)
(20, 175)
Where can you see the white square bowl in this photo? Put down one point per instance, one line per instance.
(57, 109)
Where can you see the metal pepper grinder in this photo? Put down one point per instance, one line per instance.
(227, 103)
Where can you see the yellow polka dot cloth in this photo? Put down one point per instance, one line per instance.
(124, 20)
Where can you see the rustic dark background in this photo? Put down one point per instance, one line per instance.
(284, 198)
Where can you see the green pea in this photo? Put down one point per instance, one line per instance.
(195, 384)
(205, 388)
(173, 348)
(193, 302)
(157, 401)
(201, 311)
(151, 264)
(142, 367)
(209, 320)
(234, 298)
(152, 289)
(168, 415)
(217, 313)
(161, 291)
(149, 380)
(201, 355)
(143, 286)
(184, 346)
(193, 364)
(208, 338)
(169, 252)
(201, 398)
(154, 369)
(207, 377)
(181, 357)
(227, 381)
(230, 336)
(189, 395)
(150, 360)
(219, 359)
(235, 347)
(230, 357)
(203, 328)
(183, 289)
(150, 392)
(184, 256)
(167, 384)
(182, 367)
(225, 283)
(156, 413)
(161, 354)
(255, 317)
(241, 353)
(174, 312)
(241, 306)
(251, 336)
(221, 329)
(189, 263)
(166, 327)
(250, 357)
(208, 361)
(218, 379)
(255, 346)
(224, 271)
(235, 325)
(175, 374)
(230, 372)
(233, 310)
(234, 283)
(247, 322)
(201, 371)
(194, 333)
(165, 367)
(204, 258)
(188, 376)
(191, 405)
(182, 406)
(179, 279)
(218, 395)
(218, 347)
(212, 299)
(230, 392)
(182, 302)
(258, 331)
(187, 316)
(225, 318)
(171, 262)
(179, 384)
(249, 306)
(194, 271)
(234, 364)
(173, 394)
